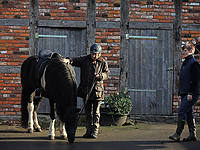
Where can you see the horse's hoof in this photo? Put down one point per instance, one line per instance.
(50, 137)
(38, 130)
(30, 131)
(63, 137)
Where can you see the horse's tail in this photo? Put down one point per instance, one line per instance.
(24, 111)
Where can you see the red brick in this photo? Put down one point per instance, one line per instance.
(187, 21)
(3, 9)
(194, 18)
(12, 84)
(24, 56)
(13, 41)
(113, 58)
(107, 1)
(3, 17)
(7, 13)
(10, 113)
(13, 63)
(11, 103)
(18, 45)
(146, 9)
(17, 109)
(1, 113)
(2, 84)
(158, 3)
(134, 2)
(165, 21)
(3, 41)
(170, 10)
(100, 37)
(195, 32)
(12, 99)
(69, 11)
(159, 17)
(23, 34)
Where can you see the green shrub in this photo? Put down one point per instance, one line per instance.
(119, 103)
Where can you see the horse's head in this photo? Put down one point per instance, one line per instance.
(70, 119)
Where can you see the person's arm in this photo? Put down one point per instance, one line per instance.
(104, 75)
(74, 61)
(195, 75)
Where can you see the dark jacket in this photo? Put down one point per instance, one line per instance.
(89, 68)
(189, 77)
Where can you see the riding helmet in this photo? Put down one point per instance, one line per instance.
(95, 48)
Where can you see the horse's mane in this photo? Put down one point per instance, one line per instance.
(61, 84)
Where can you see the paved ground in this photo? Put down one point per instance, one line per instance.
(142, 136)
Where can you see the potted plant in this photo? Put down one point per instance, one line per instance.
(116, 108)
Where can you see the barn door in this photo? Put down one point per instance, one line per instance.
(70, 46)
(150, 76)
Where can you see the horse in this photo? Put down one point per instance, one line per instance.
(60, 86)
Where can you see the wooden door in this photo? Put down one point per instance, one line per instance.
(150, 76)
(71, 46)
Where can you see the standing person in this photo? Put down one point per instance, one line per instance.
(189, 90)
(93, 66)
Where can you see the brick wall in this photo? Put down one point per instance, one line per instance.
(14, 40)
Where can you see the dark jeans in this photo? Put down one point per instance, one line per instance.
(186, 108)
(92, 120)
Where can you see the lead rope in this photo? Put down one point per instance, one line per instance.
(87, 97)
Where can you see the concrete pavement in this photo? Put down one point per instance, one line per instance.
(142, 136)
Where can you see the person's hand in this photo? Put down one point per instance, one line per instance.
(98, 76)
(179, 98)
(67, 61)
(189, 97)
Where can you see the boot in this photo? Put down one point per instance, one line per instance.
(94, 132)
(192, 131)
(88, 133)
(180, 127)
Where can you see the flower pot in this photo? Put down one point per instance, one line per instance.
(107, 119)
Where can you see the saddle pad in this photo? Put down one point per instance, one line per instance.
(43, 82)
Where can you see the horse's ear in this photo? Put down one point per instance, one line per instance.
(77, 110)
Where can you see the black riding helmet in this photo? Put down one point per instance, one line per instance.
(95, 48)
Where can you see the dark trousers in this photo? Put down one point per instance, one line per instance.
(92, 119)
(186, 108)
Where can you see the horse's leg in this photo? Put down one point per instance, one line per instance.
(51, 135)
(63, 133)
(35, 122)
(30, 108)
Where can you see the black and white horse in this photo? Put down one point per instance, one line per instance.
(59, 85)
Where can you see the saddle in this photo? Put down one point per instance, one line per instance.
(43, 57)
